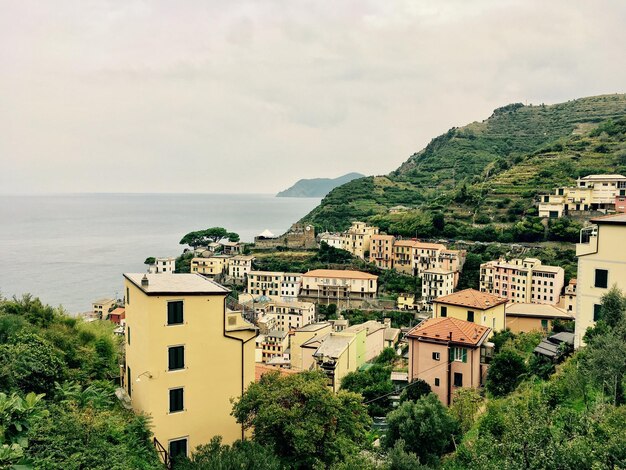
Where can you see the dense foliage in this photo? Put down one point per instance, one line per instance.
(203, 237)
(75, 421)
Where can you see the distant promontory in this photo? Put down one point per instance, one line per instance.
(317, 187)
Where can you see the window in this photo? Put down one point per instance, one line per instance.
(596, 312)
(176, 357)
(470, 316)
(128, 335)
(176, 400)
(129, 382)
(459, 354)
(437, 382)
(127, 295)
(175, 312)
(444, 311)
(436, 356)
(544, 324)
(458, 379)
(602, 278)
(178, 448)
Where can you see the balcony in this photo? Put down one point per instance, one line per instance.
(588, 241)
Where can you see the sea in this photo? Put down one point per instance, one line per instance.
(70, 250)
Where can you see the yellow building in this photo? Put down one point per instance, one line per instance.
(186, 357)
(522, 318)
(210, 267)
(302, 357)
(473, 306)
(601, 265)
(357, 238)
(333, 285)
(407, 302)
(338, 355)
(381, 251)
(101, 307)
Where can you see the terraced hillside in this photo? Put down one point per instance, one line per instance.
(489, 172)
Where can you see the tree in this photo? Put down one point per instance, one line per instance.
(386, 356)
(426, 426)
(415, 390)
(242, 455)
(465, 406)
(30, 363)
(613, 306)
(604, 364)
(17, 415)
(150, 260)
(373, 383)
(302, 420)
(202, 237)
(505, 373)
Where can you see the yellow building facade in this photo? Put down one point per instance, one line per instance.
(473, 306)
(186, 357)
(601, 265)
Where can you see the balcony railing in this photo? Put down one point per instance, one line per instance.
(163, 454)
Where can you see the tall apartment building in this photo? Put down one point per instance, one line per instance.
(601, 265)
(414, 257)
(381, 250)
(186, 357)
(240, 266)
(357, 238)
(436, 282)
(274, 285)
(591, 193)
(335, 286)
(523, 280)
(285, 316)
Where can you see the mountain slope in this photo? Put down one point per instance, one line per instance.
(504, 161)
(317, 187)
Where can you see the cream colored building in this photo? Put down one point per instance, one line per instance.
(240, 266)
(473, 306)
(338, 355)
(601, 265)
(101, 307)
(335, 286)
(523, 318)
(301, 355)
(523, 280)
(374, 337)
(591, 193)
(209, 267)
(186, 358)
(436, 282)
(381, 250)
(274, 285)
(275, 344)
(163, 265)
(448, 354)
(568, 300)
(415, 257)
(286, 316)
(357, 238)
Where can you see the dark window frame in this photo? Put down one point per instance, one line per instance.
(458, 379)
(176, 357)
(175, 315)
(443, 311)
(177, 399)
(601, 281)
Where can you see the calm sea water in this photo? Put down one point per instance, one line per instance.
(71, 249)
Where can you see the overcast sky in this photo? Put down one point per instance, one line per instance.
(250, 96)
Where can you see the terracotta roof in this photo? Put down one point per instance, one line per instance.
(340, 274)
(261, 369)
(472, 298)
(450, 329)
(118, 311)
(429, 246)
(404, 243)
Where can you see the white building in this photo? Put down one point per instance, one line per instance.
(240, 266)
(163, 265)
(332, 239)
(274, 285)
(436, 282)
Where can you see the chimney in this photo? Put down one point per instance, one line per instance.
(144, 281)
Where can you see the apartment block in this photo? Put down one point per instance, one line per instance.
(414, 257)
(381, 250)
(186, 358)
(523, 280)
(332, 239)
(601, 265)
(448, 354)
(163, 265)
(436, 282)
(240, 266)
(335, 286)
(568, 299)
(210, 267)
(591, 193)
(285, 316)
(357, 238)
(275, 345)
(274, 285)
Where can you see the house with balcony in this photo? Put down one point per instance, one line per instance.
(341, 287)
(381, 250)
(599, 193)
(601, 265)
(356, 239)
(436, 282)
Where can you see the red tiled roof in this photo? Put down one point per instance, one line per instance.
(340, 274)
(472, 298)
(260, 369)
(450, 329)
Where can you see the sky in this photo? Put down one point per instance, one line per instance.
(250, 96)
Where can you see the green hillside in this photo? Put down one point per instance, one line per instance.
(487, 174)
